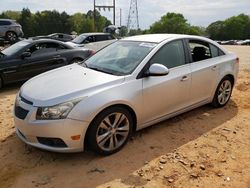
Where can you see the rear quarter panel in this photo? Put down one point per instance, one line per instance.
(227, 66)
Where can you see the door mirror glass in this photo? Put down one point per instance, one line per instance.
(25, 54)
(157, 70)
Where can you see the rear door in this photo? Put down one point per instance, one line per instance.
(4, 25)
(164, 95)
(204, 69)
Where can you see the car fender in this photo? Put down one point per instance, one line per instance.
(91, 106)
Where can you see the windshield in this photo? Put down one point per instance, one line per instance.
(120, 58)
(15, 48)
(79, 39)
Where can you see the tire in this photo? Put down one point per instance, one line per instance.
(106, 137)
(1, 82)
(77, 60)
(223, 92)
(11, 36)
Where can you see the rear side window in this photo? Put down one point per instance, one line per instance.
(110, 37)
(43, 48)
(89, 39)
(101, 37)
(215, 51)
(5, 23)
(171, 55)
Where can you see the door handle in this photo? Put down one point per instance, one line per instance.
(214, 68)
(184, 78)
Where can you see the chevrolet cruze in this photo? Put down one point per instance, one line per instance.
(131, 84)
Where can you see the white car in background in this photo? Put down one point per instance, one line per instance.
(131, 84)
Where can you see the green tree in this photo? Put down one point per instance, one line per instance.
(236, 27)
(47, 22)
(174, 23)
(170, 23)
(27, 21)
(15, 15)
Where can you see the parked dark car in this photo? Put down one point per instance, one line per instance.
(229, 42)
(57, 36)
(28, 58)
(86, 38)
(10, 30)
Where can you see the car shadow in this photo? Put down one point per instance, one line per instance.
(89, 170)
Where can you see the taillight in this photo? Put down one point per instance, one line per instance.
(237, 60)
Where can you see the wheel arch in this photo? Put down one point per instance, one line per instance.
(125, 106)
(231, 78)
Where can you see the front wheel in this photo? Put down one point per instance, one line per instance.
(223, 92)
(1, 82)
(110, 130)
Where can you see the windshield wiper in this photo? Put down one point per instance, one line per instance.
(100, 70)
(84, 64)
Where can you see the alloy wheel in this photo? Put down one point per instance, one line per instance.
(113, 131)
(11, 36)
(224, 92)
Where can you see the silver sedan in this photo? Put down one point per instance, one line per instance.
(130, 84)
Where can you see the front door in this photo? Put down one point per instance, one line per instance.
(163, 95)
(44, 57)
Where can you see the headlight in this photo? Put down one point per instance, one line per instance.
(59, 111)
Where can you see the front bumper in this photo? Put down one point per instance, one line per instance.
(29, 130)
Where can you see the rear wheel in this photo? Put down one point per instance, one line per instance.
(11, 36)
(110, 130)
(223, 92)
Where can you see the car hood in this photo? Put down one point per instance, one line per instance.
(66, 83)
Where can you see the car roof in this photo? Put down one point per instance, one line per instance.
(58, 34)
(88, 34)
(30, 40)
(158, 38)
(5, 19)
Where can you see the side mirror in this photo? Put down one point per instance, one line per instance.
(25, 54)
(157, 70)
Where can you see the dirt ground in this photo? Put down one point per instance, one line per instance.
(205, 147)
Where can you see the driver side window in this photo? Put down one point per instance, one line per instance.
(171, 55)
(42, 48)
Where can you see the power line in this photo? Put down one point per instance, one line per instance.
(104, 7)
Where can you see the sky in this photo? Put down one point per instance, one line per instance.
(197, 12)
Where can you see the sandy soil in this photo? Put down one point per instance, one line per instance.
(205, 147)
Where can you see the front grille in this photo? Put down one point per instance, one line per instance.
(20, 112)
(52, 142)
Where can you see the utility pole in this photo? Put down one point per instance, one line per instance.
(120, 17)
(133, 16)
(104, 7)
